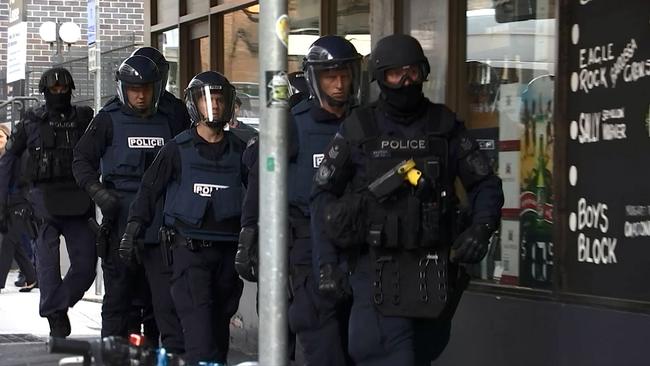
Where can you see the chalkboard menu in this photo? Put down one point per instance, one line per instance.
(607, 118)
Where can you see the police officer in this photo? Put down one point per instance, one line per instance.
(174, 108)
(48, 134)
(384, 193)
(121, 143)
(13, 224)
(202, 175)
(332, 71)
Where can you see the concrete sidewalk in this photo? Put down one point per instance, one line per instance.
(19, 314)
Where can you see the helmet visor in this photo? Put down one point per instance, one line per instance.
(211, 104)
(335, 83)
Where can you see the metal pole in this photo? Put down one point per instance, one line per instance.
(273, 164)
(98, 72)
(99, 278)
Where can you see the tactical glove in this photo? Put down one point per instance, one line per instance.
(333, 282)
(4, 219)
(106, 200)
(472, 244)
(246, 259)
(128, 245)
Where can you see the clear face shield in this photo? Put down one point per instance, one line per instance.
(211, 104)
(337, 84)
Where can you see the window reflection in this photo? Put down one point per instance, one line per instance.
(304, 18)
(241, 59)
(168, 45)
(510, 67)
(427, 21)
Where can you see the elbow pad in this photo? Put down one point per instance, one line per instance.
(331, 175)
(473, 166)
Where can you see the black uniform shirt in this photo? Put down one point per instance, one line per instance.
(166, 167)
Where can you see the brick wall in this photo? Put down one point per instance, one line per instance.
(121, 25)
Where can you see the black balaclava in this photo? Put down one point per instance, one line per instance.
(404, 104)
(59, 103)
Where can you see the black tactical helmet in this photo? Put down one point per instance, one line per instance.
(138, 70)
(52, 77)
(201, 87)
(158, 59)
(332, 52)
(394, 51)
(298, 83)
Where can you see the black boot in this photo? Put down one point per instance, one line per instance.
(59, 324)
(20, 281)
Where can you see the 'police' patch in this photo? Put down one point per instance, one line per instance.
(205, 190)
(415, 144)
(145, 142)
(317, 159)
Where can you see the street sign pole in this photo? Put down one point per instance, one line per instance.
(273, 164)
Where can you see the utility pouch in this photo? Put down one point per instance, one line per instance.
(411, 284)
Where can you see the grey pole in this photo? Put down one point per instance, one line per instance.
(273, 163)
(98, 72)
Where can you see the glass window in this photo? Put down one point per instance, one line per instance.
(168, 45)
(427, 21)
(353, 22)
(510, 73)
(241, 59)
(304, 18)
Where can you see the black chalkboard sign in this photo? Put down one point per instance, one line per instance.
(607, 118)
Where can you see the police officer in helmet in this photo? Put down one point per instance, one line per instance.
(332, 72)
(202, 176)
(120, 144)
(385, 192)
(48, 134)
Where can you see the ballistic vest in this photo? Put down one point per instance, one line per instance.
(205, 203)
(313, 138)
(136, 142)
(50, 144)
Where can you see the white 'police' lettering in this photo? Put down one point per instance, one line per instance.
(317, 159)
(404, 144)
(205, 190)
(145, 142)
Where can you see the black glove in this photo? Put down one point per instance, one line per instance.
(4, 219)
(472, 244)
(128, 245)
(246, 259)
(105, 199)
(333, 282)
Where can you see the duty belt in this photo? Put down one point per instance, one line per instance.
(195, 244)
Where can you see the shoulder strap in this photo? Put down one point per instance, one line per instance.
(361, 125)
(442, 120)
(183, 137)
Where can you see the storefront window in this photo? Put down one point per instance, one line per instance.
(241, 59)
(427, 21)
(353, 23)
(304, 18)
(510, 73)
(168, 45)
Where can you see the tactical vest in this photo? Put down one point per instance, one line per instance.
(409, 232)
(50, 144)
(206, 184)
(50, 147)
(313, 138)
(136, 141)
